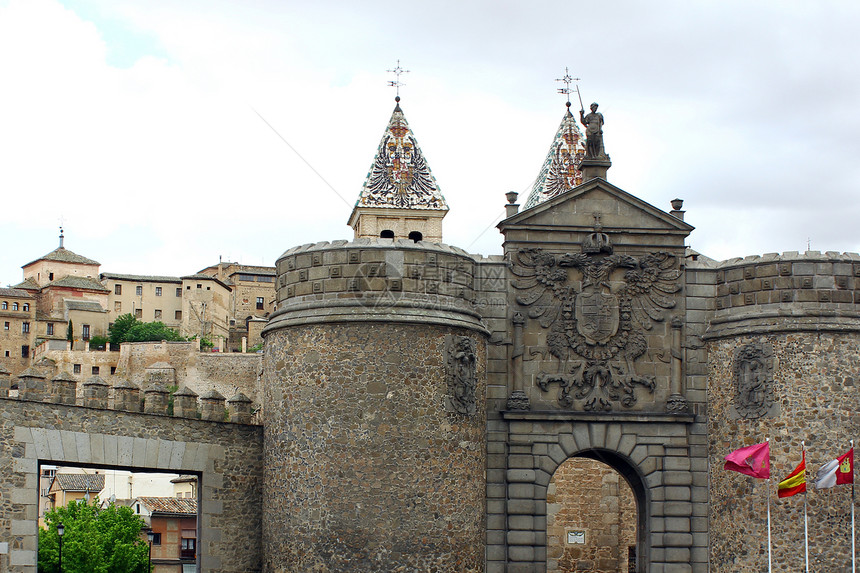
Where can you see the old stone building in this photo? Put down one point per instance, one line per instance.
(565, 406)
(18, 314)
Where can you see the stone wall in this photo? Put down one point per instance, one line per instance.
(227, 373)
(590, 497)
(227, 457)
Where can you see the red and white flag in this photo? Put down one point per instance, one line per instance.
(836, 472)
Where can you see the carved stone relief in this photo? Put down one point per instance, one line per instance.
(597, 309)
(462, 375)
(752, 367)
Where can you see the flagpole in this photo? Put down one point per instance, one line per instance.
(769, 566)
(805, 520)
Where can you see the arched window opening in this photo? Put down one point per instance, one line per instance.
(591, 519)
(416, 236)
(386, 234)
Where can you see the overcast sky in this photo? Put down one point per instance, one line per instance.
(139, 122)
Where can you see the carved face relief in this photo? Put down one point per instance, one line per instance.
(596, 309)
(753, 380)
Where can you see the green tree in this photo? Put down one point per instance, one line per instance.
(127, 328)
(96, 540)
(70, 333)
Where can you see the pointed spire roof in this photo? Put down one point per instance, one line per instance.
(560, 171)
(400, 177)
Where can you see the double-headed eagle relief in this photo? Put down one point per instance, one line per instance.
(399, 176)
(597, 309)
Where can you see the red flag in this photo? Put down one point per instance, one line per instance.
(752, 461)
(795, 482)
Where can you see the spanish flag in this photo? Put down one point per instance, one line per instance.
(795, 482)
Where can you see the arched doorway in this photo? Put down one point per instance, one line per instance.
(593, 518)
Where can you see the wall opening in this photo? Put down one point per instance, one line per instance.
(386, 234)
(593, 518)
(167, 503)
(416, 236)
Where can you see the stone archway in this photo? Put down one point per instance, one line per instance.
(592, 519)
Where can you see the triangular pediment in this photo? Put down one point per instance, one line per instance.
(597, 203)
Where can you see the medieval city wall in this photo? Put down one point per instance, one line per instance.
(227, 373)
(227, 458)
(784, 345)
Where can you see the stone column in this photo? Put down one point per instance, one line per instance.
(213, 406)
(185, 403)
(96, 393)
(518, 400)
(677, 402)
(64, 388)
(126, 396)
(31, 385)
(240, 409)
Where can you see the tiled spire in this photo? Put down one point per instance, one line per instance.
(560, 170)
(400, 177)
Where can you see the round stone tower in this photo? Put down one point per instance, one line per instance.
(374, 388)
(784, 363)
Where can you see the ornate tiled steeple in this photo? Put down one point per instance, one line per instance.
(560, 170)
(400, 197)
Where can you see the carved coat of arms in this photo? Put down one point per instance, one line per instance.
(597, 309)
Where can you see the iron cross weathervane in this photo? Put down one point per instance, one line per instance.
(396, 83)
(566, 89)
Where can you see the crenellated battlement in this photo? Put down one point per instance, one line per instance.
(154, 399)
(379, 279)
(788, 291)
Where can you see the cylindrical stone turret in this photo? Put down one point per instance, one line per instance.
(64, 388)
(240, 409)
(31, 385)
(185, 403)
(212, 406)
(96, 393)
(155, 398)
(374, 407)
(783, 350)
(126, 396)
(5, 382)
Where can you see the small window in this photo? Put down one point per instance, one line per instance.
(138, 313)
(157, 314)
(26, 307)
(199, 285)
(157, 291)
(179, 291)
(112, 370)
(117, 289)
(416, 236)
(76, 368)
(386, 234)
(49, 329)
(188, 287)
(177, 315)
(156, 537)
(5, 305)
(95, 370)
(25, 327)
(85, 332)
(208, 288)
(50, 276)
(260, 303)
(25, 351)
(117, 306)
(6, 325)
(138, 290)
(7, 354)
(14, 306)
